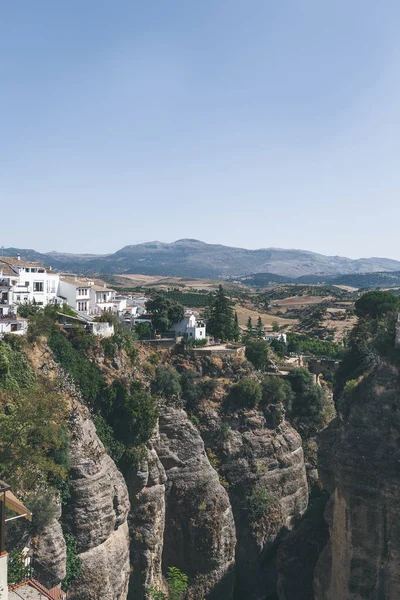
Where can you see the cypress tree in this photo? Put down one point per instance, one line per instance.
(249, 326)
(236, 328)
(259, 329)
(221, 316)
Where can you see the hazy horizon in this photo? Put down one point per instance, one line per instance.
(249, 124)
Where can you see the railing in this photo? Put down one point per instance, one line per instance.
(29, 570)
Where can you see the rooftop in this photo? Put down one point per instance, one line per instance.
(14, 261)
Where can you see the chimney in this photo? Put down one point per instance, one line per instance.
(18, 256)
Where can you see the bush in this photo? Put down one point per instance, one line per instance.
(86, 374)
(177, 586)
(257, 352)
(309, 402)
(259, 503)
(246, 393)
(190, 390)
(166, 383)
(74, 563)
(276, 390)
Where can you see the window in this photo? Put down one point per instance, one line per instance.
(38, 286)
(26, 283)
(18, 298)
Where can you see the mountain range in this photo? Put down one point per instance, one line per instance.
(193, 258)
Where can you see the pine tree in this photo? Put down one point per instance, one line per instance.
(221, 316)
(249, 326)
(259, 329)
(236, 328)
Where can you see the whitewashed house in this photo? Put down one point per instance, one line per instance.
(190, 327)
(27, 281)
(275, 335)
(76, 292)
(10, 322)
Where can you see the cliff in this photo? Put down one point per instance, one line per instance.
(359, 457)
(181, 515)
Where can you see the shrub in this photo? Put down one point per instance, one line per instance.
(190, 390)
(74, 563)
(276, 390)
(246, 393)
(166, 383)
(375, 304)
(257, 352)
(259, 503)
(177, 586)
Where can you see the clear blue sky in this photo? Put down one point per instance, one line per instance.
(252, 123)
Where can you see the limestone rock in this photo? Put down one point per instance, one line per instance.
(199, 534)
(97, 515)
(359, 459)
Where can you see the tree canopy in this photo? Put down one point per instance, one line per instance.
(165, 312)
(221, 319)
(375, 304)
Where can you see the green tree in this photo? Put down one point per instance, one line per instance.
(166, 383)
(143, 331)
(309, 402)
(257, 352)
(165, 312)
(247, 392)
(259, 329)
(177, 586)
(236, 328)
(249, 326)
(221, 316)
(276, 390)
(375, 304)
(275, 326)
(73, 563)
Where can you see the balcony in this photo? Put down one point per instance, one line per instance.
(27, 576)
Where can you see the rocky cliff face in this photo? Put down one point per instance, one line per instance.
(97, 515)
(359, 459)
(181, 515)
(267, 485)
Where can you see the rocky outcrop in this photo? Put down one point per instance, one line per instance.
(96, 515)
(181, 515)
(49, 546)
(267, 485)
(359, 458)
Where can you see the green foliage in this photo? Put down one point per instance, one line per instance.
(259, 329)
(192, 299)
(115, 448)
(15, 372)
(81, 339)
(257, 352)
(275, 326)
(235, 328)
(190, 390)
(249, 326)
(276, 390)
(166, 383)
(177, 586)
(74, 563)
(259, 503)
(302, 344)
(17, 570)
(221, 321)
(375, 304)
(246, 393)
(131, 411)
(309, 402)
(165, 312)
(191, 343)
(31, 425)
(143, 331)
(86, 375)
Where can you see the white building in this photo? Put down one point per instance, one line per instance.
(275, 335)
(190, 327)
(24, 281)
(10, 322)
(76, 292)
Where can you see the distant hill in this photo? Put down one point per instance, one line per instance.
(193, 258)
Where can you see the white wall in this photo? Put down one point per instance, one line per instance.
(3, 577)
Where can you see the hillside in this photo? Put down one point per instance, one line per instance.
(193, 258)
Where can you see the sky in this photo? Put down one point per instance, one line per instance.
(251, 123)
